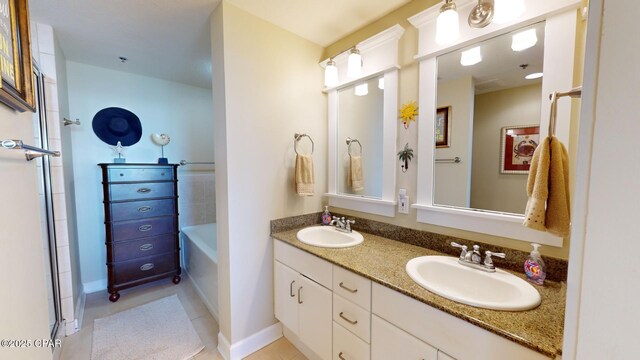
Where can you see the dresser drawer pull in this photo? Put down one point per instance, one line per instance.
(347, 288)
(291, 289)
(144, 208)
(146, 247)
(144, 228)
(146, 267)
(352, 322)
(341, 357)
(144, 190)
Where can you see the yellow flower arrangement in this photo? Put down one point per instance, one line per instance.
(408, 113)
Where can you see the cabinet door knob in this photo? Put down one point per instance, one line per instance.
(144, 190)
(291, 289)
(144, 208)
(299, 295)
(340, 356)
(144, 228)
(347, 288)
(352, 322)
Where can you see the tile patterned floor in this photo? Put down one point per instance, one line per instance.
(78, 345)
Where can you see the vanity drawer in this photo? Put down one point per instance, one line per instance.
(347, 346)
(141, 268)
(126, 230)
(352, 317)
(352, 287)
(154, 173)
(141, 191)
(306, 264)
(145, 247)
(142, 209)
(389, 342)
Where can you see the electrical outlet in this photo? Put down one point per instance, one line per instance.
(403, 202)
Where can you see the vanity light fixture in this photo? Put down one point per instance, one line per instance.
(482, 14)
(524, 40)
(331, 74)
(471, 56)
(354, 63)
(532, 76)
(362, 89)
(447, 24)
(507, 10)
(381, 83)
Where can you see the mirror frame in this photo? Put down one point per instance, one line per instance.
(380, 58)
(559, 53)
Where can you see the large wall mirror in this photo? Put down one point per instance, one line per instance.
(488, 101)
(360, 125)
(485, 107)
(362, 117)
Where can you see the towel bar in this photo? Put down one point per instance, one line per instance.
(31, 152)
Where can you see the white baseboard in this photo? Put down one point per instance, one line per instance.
(248, 345)
(94, 286)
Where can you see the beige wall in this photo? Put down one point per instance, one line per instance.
(24, 310)
(266, 87)
(491, 189)
(408, 91)
(453, 181)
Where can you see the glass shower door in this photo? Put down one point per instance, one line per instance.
(45, 200)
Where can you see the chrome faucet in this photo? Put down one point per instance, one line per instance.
(342, 224)
(474, 258)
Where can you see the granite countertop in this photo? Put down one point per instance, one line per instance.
(383, 261)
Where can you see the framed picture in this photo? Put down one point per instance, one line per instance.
(518, 145)
(443, 127)
(16, 67)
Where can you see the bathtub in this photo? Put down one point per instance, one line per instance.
(200, 260)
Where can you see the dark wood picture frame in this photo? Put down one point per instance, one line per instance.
(16, 64)
(443, 127)
(516, 148)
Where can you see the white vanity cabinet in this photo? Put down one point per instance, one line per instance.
(340, 315)
(303, 303)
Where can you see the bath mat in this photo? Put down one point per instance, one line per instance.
(158, 330)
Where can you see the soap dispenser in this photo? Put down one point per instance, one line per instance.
(534, 266)
(326, 216)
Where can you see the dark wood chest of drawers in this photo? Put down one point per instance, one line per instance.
(141, 220)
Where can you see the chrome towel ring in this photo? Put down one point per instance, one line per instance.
(298, 137)
(351, 141)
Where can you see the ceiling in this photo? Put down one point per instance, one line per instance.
(500, 66)
(169, 39)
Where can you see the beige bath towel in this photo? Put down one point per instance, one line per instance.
(304, 176)
(548, 189)
(355, 179)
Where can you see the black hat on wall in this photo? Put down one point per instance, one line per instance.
(116, 124)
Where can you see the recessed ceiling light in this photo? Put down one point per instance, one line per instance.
(524, 40)
(362, 89)
(471, 56)
(532, 76)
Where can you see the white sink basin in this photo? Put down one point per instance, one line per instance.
(444, 276)
(329, 237)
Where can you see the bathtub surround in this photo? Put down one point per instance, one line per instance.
(180, 110)
(267, 87)
(197, 200)
(556, 268)
(200, 262)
